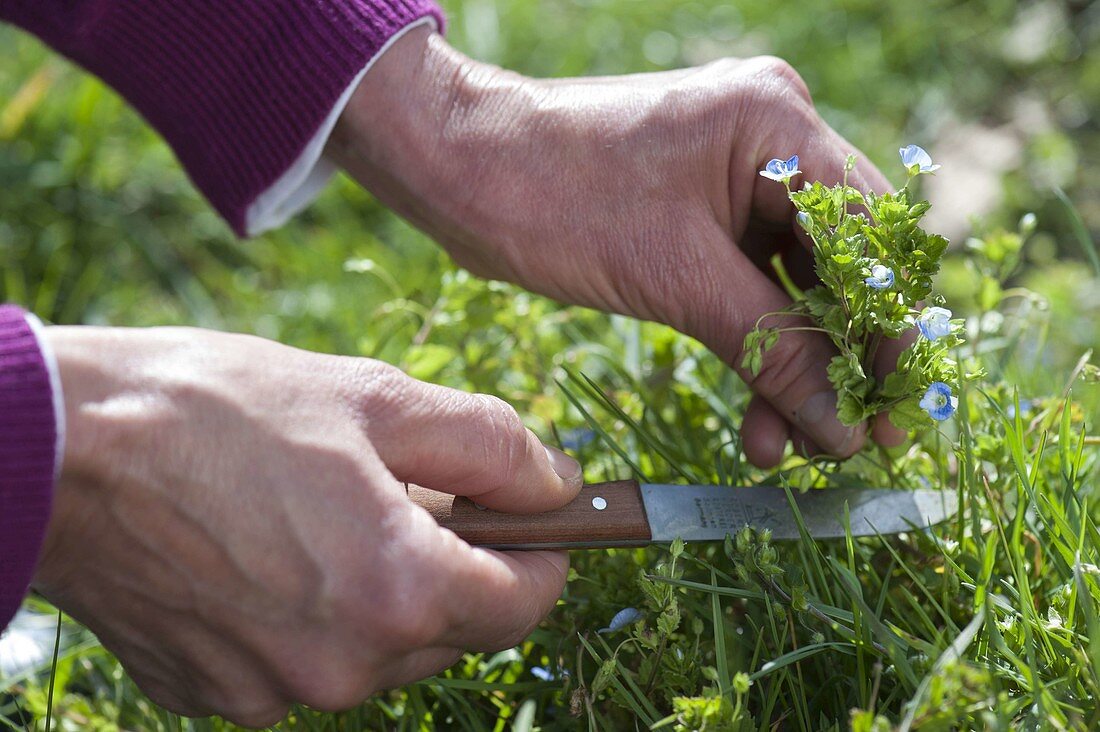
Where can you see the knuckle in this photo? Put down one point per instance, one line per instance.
(403, 612)
(335, 688)
(381, 388)
(782, 75)
(502, 437)
(258, 716)
(776, 81)
(415, 623)
(500, 415)
(725, 65)
(777, 67)
(167, 697)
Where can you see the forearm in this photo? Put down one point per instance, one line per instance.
(28, 453)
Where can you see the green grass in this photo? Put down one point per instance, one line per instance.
(988, 622)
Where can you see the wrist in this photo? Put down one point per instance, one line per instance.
(424, 128)
(83, 372)
(108, 405)
(79, 373)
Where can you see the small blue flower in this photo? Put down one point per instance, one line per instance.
(805, 221)
(939, 402)
(1026, 406)
(934, 323)
(543, 673)
(781, 170)
(626, 616)
(577, 438)
(916, 160)
(882, 277)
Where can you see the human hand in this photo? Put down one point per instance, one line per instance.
(231, 520)
(637, 195)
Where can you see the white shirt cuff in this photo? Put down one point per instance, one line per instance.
(55, 388)
(300, 185)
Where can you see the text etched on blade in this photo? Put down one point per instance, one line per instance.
(717, 513)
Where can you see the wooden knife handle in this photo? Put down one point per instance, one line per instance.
(602, 515)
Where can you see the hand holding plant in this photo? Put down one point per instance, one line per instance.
(876, 265)
(636, 195)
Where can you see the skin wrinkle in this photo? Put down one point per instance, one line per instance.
(471, 92)
(691, 274)
(712, 294)
(735, 311)
(503, 443)
(377, 393)
(149, 658)
(240, 683)
(138, 592)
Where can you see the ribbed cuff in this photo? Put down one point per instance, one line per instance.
(237, 88)
(28, 440)
(307, 176)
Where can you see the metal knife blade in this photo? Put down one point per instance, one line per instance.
(624, 513)
(708, 513)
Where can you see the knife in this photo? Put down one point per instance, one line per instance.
(626, 513)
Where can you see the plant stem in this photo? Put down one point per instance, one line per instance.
(775, 590)
(872, 350)
(888, 466)
(53, 673)
(656, 666)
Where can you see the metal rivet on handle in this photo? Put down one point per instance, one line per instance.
(599, 503)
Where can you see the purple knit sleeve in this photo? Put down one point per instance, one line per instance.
(237, 87)
(28, 444)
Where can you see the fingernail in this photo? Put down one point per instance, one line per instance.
(566, 467)
(818, 416)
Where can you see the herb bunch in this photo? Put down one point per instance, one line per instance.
(876, 265)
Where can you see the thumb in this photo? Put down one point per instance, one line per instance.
(465, 444)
